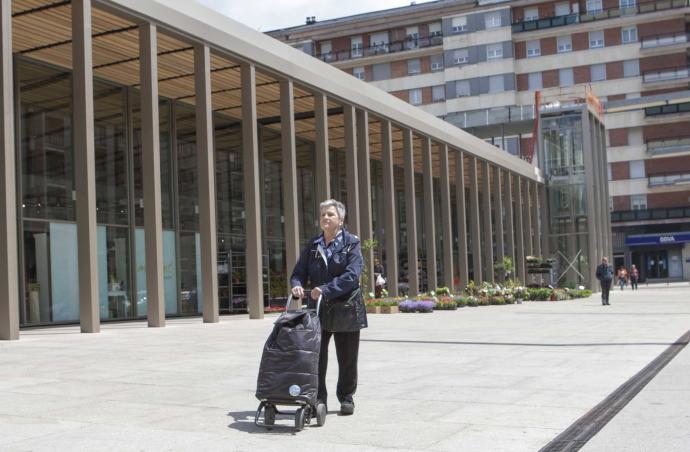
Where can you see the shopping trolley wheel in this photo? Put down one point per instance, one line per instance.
(269, 415)
(320, 414)
(299, 419)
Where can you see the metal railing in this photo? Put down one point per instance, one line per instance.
(601, 14)
(664, 75)
(650, 214)
(381, 49)
(662, 40)
(667, 109)
(668, 179)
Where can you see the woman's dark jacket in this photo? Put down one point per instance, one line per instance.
(338, 278)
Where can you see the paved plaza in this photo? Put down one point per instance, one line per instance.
(495, 378)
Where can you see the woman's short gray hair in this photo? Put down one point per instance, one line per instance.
(339, 207)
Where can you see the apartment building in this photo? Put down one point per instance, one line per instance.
(478, 65)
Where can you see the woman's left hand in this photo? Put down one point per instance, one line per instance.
(315, 293)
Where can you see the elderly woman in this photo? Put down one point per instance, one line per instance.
(331, 265)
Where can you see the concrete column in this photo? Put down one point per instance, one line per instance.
(364, 175)
(544, 220)
(520, 267)
(475, 223)
(446, 226)
(460, 210)
(151, 156)
(527, 217)
(509, 222)
(207, 182)
(410, 214)
(498, 218)
(289, 163)
(351, 169)
(85, 166)
(252, 193)
(9, 288)
(487, 235)
(390, 217)
(536, 227)
(322, 160)
(429, 214)
(590, 194)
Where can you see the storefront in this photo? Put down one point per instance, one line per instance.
(660, 256)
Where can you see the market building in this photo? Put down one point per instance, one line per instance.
(160, 159)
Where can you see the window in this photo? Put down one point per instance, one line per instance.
(629, 34)
(631, 68)
(435, 29)
(596, 39)
(379, 42)
(381, 71)
(598, 72)
(562, 9)
(414, 66)
(534, 81)
(565, 77)
(358, 72)
(461, 56)
(436, 63)
(533, 49)
(565, 44)
(416, 96)
(412, 37)
(494, 51)
(459, 24)
(637, 169)
(462, 88)
(594, 6)
(356, 47)
(326, 49)
(438, 93)
(496, 84)
(610, 173)
(512, 145)
(531, 14)
(627, 4)
(638, 202)
(492, 19)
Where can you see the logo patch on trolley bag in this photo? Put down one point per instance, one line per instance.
(295, 390)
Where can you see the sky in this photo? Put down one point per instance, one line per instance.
(266, 15)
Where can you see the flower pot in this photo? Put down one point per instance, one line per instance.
(373, 309)
(388, 310)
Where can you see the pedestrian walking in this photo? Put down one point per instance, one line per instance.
(622, 277)
(605, 276)
(332, 265)
(634, 276)
(379, 278)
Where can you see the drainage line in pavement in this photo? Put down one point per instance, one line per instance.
(582, 430)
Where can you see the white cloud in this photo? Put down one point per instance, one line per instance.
(265, 15)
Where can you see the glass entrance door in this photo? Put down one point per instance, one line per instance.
(657, 264)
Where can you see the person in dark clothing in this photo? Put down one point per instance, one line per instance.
(605, 276)
(332, 265)
(634, 276)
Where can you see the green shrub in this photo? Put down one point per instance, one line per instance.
(539, 294)
(446, 305)
(472, 301)
(580, 293)
(443, 291)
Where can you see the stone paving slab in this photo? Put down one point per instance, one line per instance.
(487, 378)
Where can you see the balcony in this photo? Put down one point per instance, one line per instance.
(601, 14)
(665, 75)
(664, 180)
(382, 49)
(667, 109)
(650, 214)
(668, 145)
(663, 40)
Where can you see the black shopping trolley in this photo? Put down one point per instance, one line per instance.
(289, 370)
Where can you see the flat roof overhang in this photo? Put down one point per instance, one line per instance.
(196, 23)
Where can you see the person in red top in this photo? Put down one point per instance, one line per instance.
(634, 275)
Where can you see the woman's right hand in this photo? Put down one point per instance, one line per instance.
(298, 292)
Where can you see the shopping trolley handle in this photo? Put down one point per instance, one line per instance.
(291, 297)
